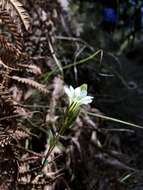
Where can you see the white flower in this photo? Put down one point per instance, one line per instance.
(78, 95)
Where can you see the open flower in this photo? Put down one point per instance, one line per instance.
(78, 95)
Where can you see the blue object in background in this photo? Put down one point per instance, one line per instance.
(109, 15)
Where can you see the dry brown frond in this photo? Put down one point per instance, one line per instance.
(32, 83)
(8, 53)
(9, 22)
(30, 68)
(22, 13)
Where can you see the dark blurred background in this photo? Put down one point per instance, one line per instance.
(116, 79)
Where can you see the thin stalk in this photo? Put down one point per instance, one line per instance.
(51, 148)
(82, 61)
(115, 120)
(67, 121)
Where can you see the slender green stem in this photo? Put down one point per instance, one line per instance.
(85, 60)
(51, 148)
(69, 118)
(114, 119)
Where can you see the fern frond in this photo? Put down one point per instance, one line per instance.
(3, 4)
(7, 67)
(18, 6)
(31, 68)
(8, 52)
(8, 21)
(30, 82)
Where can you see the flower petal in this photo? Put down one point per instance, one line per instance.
(83, 89)
(72, 90)
(86, 100)
(67, 91)
(77, 92)
(83, 93)
(78, 96)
